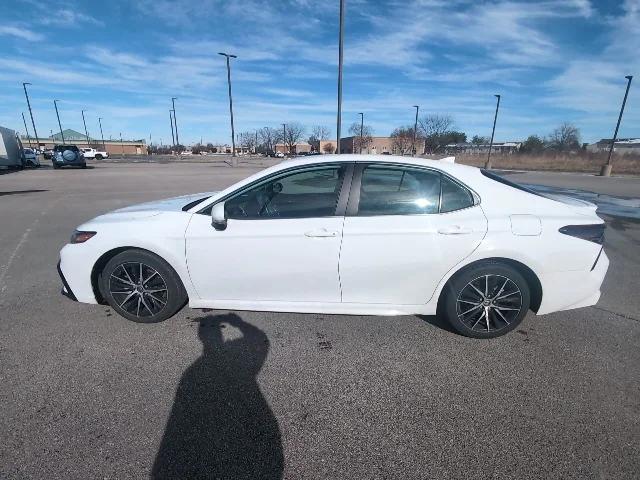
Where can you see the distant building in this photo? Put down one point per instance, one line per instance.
(324, 146)
(112, 147)
(622, 146)
(301, 147)
(506, 148)
(377, 146)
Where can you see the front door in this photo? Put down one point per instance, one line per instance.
(408, 228)
(281, 243)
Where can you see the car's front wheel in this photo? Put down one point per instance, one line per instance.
(486, 300)
(142, 287)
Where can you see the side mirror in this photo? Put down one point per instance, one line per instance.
(218, 218)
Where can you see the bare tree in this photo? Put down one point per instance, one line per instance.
(564, 138)
(319, 133)
(402, 140)
(433, 129)
(295, 133)
(247, 140)
(268, 137)
(367, 137)
(329, 147)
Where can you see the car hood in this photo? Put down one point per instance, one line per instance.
(150, 209)
(173, 204)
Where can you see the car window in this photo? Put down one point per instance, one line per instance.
(304, 194)
(62, 148)
(398, 191)
(454, 196)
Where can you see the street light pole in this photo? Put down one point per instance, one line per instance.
(35, 132)
(86, 133)
(175, 120)
(606, 169)
(173, 138)
(102, 134)
(228, 56)
(340, 58)
(415, 132)
(361, 128)
(26, 130)
(55, 104)
(284, 138)
(488, 164)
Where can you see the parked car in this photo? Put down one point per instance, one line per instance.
(48, 153)
(67, 155)
(358, 235)
(279, 155)
(11, 151)
(31, 158)
(94, 154)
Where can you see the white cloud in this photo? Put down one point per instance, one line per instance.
(20, 32)
(70, 18)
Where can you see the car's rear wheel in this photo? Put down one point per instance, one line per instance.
(142, 287)
(98, 157)
(486, 300)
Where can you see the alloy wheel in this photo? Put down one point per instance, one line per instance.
(489, 303)
(138, 289)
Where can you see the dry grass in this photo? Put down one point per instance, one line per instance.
(584, 162)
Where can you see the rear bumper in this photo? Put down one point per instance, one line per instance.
(574, 289)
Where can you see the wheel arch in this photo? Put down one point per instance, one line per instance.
(533, 282)
(102, 261)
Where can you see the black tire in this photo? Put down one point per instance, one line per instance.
(84, 165)
(55, 166)
(506, 302)
(157, 298)
(98, 157)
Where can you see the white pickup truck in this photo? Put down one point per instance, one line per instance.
(93, 153)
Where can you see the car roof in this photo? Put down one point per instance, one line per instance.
(446, 164)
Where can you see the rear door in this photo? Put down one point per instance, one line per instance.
(405, 228)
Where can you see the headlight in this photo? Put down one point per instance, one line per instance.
(81, 237)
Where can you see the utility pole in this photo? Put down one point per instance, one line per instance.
(228, 56)
(121, 145)
(361, 129)
(175, 120)
(415, 132)
(606, 169)
(26, 130)
(86, 133)
(284, 138)
(340, 58)
(173, 137)
(101, 134)
(488, 164)
(35, 132)
(55, 104)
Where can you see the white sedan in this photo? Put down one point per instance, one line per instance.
(348, 234)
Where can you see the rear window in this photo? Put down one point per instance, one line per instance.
(62, 148)
(509, 183)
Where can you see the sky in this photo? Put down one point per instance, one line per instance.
(551, 61)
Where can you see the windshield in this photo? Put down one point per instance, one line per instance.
(62, 148)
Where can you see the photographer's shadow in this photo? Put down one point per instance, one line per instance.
(221, 425)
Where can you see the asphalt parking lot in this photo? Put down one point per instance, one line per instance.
(88, 394)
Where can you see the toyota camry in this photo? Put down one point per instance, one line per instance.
(348, 234)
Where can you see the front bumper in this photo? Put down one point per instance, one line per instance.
(66, 289)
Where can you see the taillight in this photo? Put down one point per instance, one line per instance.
(591, 233)
(81, 237)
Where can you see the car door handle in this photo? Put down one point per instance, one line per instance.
(320, 233)
(454, 230)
